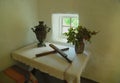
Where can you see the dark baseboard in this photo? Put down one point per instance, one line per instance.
(86, 80)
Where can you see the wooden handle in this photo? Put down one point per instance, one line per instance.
(60, 52)
(49, 52)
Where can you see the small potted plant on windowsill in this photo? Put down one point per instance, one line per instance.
(76, 36)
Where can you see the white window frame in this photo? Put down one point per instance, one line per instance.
(57, 35)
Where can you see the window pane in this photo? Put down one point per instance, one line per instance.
(66, 21)
(65, 29)
(74, 22)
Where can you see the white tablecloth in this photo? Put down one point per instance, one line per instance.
(53, 64)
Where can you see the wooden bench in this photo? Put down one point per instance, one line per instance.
(20, 75)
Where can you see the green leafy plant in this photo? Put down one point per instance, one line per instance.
(79, 34)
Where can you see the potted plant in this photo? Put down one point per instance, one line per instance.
(76, 36)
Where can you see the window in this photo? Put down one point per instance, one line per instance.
(61, 23)
(68, 22)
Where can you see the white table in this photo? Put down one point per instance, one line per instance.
(53, 64)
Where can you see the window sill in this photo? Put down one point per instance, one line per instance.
(62, 41)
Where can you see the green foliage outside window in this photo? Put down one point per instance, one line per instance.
(72, 22)
(66, 21)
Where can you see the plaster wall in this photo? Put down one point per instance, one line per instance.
(16, 19)
(55, 6)
(103, 16)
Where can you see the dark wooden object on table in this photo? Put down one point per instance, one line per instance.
(60, 52)
(50, 52)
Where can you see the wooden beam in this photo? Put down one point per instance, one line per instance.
(50, 52)
(60, 52)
